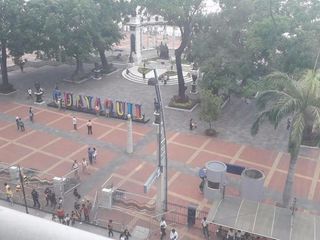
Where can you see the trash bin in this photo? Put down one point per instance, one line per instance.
(192, 215)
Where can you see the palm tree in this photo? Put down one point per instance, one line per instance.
(299, 99)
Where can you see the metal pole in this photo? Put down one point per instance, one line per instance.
(130, 138)
(162, 135)
(23, 192)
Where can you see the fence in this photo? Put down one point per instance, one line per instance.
(34, 179)
(129, 210)
(70, 181)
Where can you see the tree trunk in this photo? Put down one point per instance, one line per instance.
(4, 70)
(185, 38)
(288, 188)
(79, 69)
(181, 84)
(103, 59)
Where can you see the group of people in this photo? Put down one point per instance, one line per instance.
(163, 226)
(92, 157)
(20, 123)
(82, 210)
(75, 125)
(232, 234)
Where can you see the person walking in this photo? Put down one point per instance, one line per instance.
(90, 155)
(29, 93)
(75, 168)
(110, 228)
(288, 123)
(53, 200)
(89, 126)
(73, 218)
(47, 194)
(18, 123)
(192, 124)
(174, 234)
(76, 194)
(74, 122)
(84, 165)
(31, 114)
(97, 110)
(126, 234)
(9, 194)
(163, 227)
(60, 202)
(21, 124)
(67, 219)
(205, 227)
(122, 236)
(86, 211)
(94, 155)
(60, 214)
(35, 198)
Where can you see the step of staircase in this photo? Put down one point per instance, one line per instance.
(139, 79)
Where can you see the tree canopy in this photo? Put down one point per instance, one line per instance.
(179, 13)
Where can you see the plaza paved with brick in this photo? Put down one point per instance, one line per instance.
(50, 144)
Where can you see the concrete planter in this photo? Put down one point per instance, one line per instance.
(252, 184)
(216, 177)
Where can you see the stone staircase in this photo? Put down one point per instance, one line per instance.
(134, 76)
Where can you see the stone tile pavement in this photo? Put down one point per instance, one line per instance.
(50, 144)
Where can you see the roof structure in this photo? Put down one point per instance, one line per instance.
(265, 220)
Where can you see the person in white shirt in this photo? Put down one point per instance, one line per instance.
(74, 122)
(84, 165)
(94, 155)
(205, 227)
(230, 234)
(163, 226)
(29, 93)
(174, 234)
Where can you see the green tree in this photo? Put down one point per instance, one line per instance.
(180, 13)
(299, 100)
(283, 35)
(221, 46)
(105, 26)
(210, 107)
(13, 34)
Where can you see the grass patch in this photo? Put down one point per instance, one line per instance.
(170, 73)
(144, 70)
(186, 104)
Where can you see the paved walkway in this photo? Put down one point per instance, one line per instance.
(50, 145)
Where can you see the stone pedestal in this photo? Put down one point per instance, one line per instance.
(14, 175)
(39, 99)
(106, 198)
(193, 88)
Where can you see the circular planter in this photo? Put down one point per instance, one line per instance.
(252, 184)
(211, 132)
(216, 175)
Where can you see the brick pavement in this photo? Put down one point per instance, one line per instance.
(51, 145)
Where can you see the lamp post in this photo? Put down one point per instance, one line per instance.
(162, 144)
(23, 192)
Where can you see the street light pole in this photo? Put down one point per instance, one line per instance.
(162, 146)
(23, 192)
